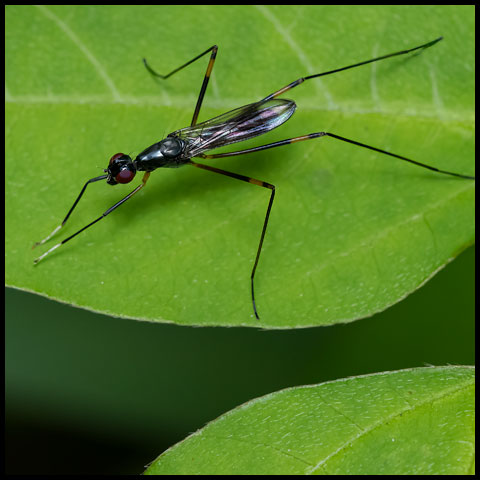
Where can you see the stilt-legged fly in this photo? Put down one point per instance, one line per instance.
(243, 123)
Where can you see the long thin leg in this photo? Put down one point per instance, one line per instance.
(96, 179)
(265, 223)
(213, 49)
(309, 77)
(104, 214)
(338, 137)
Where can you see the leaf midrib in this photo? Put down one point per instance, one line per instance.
(186, 102)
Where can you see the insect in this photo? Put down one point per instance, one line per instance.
(181, 146)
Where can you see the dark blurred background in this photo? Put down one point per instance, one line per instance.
(87, 393)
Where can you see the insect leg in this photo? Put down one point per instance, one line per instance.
(301, 80)
(338, 137)
(265, 223)
(104, 214)
(96, 179)
(213, 49)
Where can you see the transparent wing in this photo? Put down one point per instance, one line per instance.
(234, 126)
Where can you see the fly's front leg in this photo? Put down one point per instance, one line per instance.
(104, 214)
(96, 179)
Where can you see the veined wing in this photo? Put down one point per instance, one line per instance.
(234, 126)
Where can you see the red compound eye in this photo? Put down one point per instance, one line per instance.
(125, 176)
(115, 157)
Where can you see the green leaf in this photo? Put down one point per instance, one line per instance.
(410, 422)
(351, 231)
